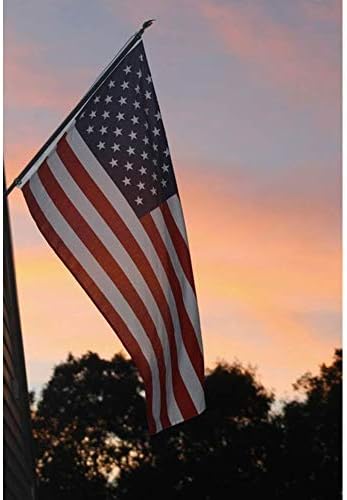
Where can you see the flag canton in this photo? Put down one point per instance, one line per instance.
(122, 126)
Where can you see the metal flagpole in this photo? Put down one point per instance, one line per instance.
(104, 75)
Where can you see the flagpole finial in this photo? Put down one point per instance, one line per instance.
(146, 25)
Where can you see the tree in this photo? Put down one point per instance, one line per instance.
(92, 441)
(222, 452)
(312, 443)
(88, 422)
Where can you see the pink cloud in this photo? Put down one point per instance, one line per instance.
(30, 82)
(325, 11)
(291, 59)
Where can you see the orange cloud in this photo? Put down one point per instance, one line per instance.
(57, 316)
(258, 272)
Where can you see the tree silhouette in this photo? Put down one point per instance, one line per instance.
(92, 441)
(220, 452)
(312, 441)
(90, 418)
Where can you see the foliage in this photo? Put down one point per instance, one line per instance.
(92, 443)
(312, 437)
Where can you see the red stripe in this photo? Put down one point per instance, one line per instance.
(104, 306)
(119, 228)
(179, 243)
(188, 333)
(113, 270)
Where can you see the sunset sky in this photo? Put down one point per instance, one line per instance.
(250, 96)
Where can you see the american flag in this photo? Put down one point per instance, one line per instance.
(106, 201)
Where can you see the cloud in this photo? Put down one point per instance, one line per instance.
(57, 316)
(37, 96)
(327, 11)
(33, 81)
(260, 269)
(265, 242)
(296, 60)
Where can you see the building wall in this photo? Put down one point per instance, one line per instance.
(19, 477)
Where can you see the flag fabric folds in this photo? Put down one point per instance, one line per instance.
(106, 201)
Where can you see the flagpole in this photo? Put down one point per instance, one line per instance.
(104, 75)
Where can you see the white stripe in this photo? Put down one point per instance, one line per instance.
(44, 155)
(188, 294)
(102, 281)
(116, 249)
(175, 207)
(116, 198)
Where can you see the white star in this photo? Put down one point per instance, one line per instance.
(136, 104)
(115, 147)
(82, 115)
(149, 79)
(158, 116)
(148, 94)
(138, 200)
(126, 181)
(101, 145)
(154, 176)
(118, 131)
(153, 191)
(120, 116)
(141, 57)
(103, 130)
(93, 114)
(145, 139)
(139, 73)
(122, 100)
(143, 170)
(165, 168)
(128, 166)
(106, 114)
(131, 151)
(90, 129)
(97, 99)
(125, 85)
(137, 89)
(155, 162)
(156, 131)
(141, 185)
(144, 155)
(146, 125)
(135, 120)
(163, 182)
(127, 70)
(111, 84)
(166, 152)
(108, 99)
(146, 111)
(114, 162)
(132, 135)
(155, 147)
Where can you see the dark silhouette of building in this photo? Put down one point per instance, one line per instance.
(19, 475)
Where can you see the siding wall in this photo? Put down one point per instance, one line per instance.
(19, 479)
